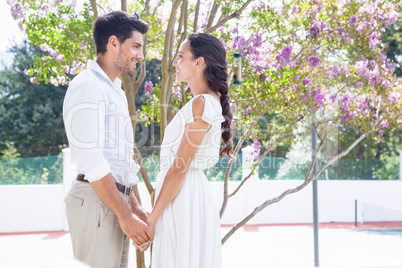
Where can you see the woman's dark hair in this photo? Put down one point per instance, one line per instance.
(211, 49)
(118, 23)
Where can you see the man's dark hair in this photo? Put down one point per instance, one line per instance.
(118, 23)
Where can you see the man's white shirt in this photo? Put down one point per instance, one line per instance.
(98, 126)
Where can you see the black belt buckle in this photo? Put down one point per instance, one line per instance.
(124, 189)
(120, 187)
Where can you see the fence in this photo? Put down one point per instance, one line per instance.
(27, 208)
(49, 170)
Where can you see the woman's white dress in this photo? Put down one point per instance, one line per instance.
(187, 234)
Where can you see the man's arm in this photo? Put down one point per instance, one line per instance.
(131, 225)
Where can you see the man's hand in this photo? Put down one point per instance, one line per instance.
(137, 230)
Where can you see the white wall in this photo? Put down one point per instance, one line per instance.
(30, 208)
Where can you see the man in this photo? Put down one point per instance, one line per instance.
(102, 212)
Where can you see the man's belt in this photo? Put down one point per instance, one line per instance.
(122, 188)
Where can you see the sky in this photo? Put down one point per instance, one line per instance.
(9, 27)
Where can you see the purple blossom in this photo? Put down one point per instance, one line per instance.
(359, 84)
(385, 82)
(380, 132)
(16, 11)
(248, 110)
(335, 69)
(353, 20)
(345, 117)
(319, 97)
(44, 10)
(286, 52)
(332, 97)
(373, 24)
(345, 102)
(257, 144)
(256, 152)
(53, 52)
(263, 78)
(240, 43)
(314, 31)
(392, 18)
(373, 64)
(295, 9)
(44, 47)
(384, 124)
(148, 87)
(373, 81)
(314, 61)
(257, 40)
(21, 26)
(306, 81)
(33, 80)
(373, 41)
(59, 57)
(283, 58)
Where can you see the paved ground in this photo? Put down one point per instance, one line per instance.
(270, 246)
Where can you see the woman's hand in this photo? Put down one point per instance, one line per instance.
(140, 212)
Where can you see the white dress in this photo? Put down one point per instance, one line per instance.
(187, 234)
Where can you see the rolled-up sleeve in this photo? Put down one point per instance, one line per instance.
(84, 114)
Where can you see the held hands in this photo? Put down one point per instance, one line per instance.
(137, 230)
(145, 246)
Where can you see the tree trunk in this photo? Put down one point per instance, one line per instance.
(167, 72)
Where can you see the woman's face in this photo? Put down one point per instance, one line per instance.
(185, 64)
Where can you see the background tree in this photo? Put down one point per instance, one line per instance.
(31, 114)
(393, 37)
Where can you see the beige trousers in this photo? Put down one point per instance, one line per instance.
(96, 236)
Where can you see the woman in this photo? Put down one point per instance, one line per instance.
(185, 218)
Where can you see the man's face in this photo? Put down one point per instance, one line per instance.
(130, 52)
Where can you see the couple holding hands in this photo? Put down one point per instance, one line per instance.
(103, 213)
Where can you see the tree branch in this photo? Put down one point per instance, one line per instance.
(197, 13)
(94, 8)
(289, 191)
(183, 35)
(166, 68)
(231, 162)
(212, 15)
(156, 8)
(281, 136)
(235, 14)
(140, 161)
(123, 5)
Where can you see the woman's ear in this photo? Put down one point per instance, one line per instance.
(200, 62)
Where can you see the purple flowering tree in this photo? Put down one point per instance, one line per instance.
(299, 58)
(330, 63)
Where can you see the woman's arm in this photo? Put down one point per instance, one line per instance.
(193, 135)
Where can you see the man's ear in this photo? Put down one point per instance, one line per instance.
(200, 62)
(113, 43)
